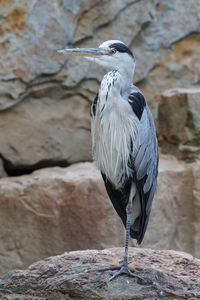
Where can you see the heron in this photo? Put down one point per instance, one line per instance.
(124, 142)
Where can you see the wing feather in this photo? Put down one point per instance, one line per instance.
(145, 164)
(119, 198)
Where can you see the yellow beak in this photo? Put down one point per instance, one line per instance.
(94, 52)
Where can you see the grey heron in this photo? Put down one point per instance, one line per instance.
(124, 140)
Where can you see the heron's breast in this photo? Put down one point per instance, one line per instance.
(114, 132)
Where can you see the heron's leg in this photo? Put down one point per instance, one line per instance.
(128, 226)
(124, 268)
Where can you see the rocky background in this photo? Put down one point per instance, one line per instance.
(45, 124)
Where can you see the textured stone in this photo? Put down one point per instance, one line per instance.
(55, 210)
(48, 127)
(62, 209)
(30, 33)
(45, 132)
(179, 120)
(78, 275)
(2, 171)
(196, 205)
(36, 78)
(171, 223)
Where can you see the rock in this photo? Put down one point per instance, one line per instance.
(58, 123)
(2, 171)
(179, 121)
(49, 132)
(63, 209)
(52, 92)
(8, 295)
(78, 275)
(41, 29)
(177, 66)
(196, 205)
(171, 223)
(55, 210)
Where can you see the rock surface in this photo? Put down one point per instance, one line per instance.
(78, 275)
(50, 124)
(56, 210)
(171, 223)
(45, 133)
(63, 209)
(196, 205)
(44, 121)
(179, 122)
(2, 171)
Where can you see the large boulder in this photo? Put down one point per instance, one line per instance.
(35, 135)
(61, 209)
(171, 223)
(55, 210)
(50, 124)
(85, 275)
(179, 121)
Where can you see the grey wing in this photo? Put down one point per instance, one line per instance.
(145, 164)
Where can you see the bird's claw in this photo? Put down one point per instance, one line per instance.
(124, 270)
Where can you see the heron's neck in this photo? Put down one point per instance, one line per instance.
(125, 77)
(114, 83)
(127, 73)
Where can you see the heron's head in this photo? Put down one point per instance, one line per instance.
(113, 54)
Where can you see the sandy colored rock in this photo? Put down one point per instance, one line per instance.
(179, 121)
(55, 210)
(196, 213)
(62, 209)
(49, 132)
(177, 67)
(171, 223)
(2, 170)
(77, 275)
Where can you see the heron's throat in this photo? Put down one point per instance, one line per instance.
(126, 71)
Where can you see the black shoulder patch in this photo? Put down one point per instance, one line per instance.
(121, 48)
(94, 105)
(138, 103)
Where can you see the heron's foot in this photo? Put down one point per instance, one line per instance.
(123, 270)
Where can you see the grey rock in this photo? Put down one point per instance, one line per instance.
(34, 75)
(83, 275)
(46, 132)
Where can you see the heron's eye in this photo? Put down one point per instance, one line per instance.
(113, 51)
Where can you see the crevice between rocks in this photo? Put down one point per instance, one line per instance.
(13, 171)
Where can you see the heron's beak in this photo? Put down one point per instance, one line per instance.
(88, 52)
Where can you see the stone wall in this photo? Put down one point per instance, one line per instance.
(47, 96)
(45, 122)
(61, 209)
